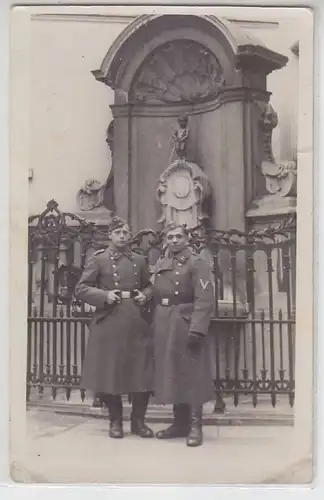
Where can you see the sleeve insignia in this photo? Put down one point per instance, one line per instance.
(204, 284)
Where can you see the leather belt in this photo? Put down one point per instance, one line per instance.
(126, 294)
(173, 301)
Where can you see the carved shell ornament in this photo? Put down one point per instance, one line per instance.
(179, 71)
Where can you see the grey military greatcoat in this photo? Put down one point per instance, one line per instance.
(184, 298)
(119, 353)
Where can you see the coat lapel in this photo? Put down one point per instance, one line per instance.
(164, 264)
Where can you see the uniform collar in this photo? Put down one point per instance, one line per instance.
(182, 256)
(117, 254)
(167, 262)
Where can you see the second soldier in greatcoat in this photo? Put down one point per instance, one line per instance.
(184, 302)
(119, 357)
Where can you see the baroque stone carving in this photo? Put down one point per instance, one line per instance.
(94, 195)
(281, 178)
(110, 135)
(184, 190)
(180, 138)
(91, 195)
(179, 71)
(109, 198)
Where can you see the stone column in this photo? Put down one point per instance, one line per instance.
(122, 154)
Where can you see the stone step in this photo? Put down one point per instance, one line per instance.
(163, 414)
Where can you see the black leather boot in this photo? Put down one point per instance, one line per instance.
(115, 408)
(139, 407)
(195, 436)
(180, 424)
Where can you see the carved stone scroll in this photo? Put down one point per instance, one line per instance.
(95, 195)
(91, 194)
(281, 178)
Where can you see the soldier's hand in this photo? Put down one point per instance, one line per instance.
(140, 298)
(112, 297)
(194, 340)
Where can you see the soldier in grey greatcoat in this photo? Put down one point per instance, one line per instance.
(119, 355)
(183, 293)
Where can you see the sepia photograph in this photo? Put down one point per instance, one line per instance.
(161, 164)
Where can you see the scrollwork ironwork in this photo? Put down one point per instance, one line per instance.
(59, 331)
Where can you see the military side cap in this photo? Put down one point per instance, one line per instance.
(174, 225)
(116, 223)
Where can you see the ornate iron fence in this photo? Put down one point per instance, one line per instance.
(252, 331)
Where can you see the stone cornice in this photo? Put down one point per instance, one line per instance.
(143, 30)
(226, 95)
(260, 57)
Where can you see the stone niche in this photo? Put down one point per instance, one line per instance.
(164, 66)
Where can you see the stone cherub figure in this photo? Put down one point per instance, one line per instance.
(180, 137)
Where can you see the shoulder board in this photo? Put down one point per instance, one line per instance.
(183, 258)
(98, 252)
(135, 254)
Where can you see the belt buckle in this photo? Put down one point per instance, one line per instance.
(125, 295)
(165, 302)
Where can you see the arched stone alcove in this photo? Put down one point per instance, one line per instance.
(164, 66)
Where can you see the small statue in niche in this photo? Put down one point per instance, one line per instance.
(180, 138)
(184, 190)
(280, 178)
